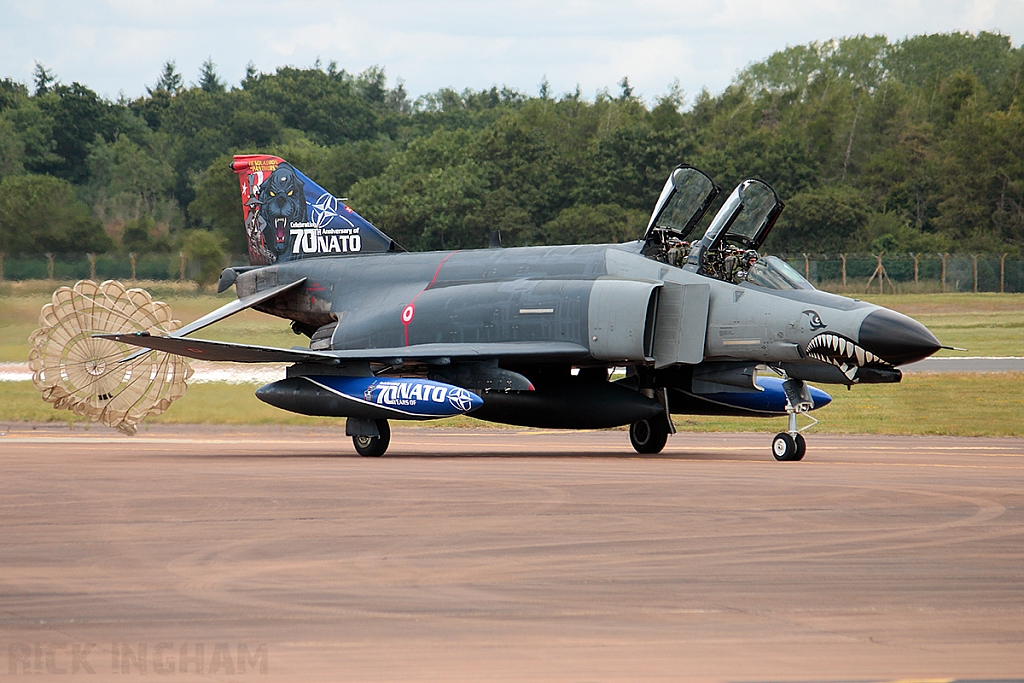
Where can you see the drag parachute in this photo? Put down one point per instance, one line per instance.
(85, 375)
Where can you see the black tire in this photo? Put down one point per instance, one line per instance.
(801, 447)
(784, 447)
(374, 446)
(649, 436)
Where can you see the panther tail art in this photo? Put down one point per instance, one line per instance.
(289, 217)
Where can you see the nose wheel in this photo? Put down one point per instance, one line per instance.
(786, 447)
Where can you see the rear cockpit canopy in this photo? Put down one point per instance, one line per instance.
(686, 197)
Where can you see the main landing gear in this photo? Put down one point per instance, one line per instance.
(790, 444)
(370, 437)
(649, 436)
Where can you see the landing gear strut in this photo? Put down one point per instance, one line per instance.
(790, 445)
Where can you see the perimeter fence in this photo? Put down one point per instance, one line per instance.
(910, 273)
(844, 273)
(115, 266)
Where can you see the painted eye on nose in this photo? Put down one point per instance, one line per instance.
(290, 193)
(272, 194)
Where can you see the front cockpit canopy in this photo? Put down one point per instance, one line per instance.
(747, 216)
(729, 246)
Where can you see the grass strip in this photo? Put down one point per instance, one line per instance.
(923, 404)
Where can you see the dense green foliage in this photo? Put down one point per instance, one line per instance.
(916, 145)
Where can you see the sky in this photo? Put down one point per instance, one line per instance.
(120, 46)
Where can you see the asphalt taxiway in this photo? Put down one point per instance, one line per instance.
(507, 555)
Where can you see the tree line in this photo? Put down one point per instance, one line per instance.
(908, 146)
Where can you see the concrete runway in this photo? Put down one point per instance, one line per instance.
(506, 555)
(971, 364)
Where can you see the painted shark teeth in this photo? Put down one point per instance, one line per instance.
(841, 352)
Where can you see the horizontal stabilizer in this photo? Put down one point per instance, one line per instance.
(236, 306)
(247, 353)
(224, 311)
(204, 349)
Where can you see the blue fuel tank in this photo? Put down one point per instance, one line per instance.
(770, 402)
(398, 398)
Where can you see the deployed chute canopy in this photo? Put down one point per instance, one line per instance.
(91, 377)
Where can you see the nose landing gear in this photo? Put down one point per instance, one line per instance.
(790, 445)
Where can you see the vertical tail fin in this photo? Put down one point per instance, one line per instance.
(289, 217)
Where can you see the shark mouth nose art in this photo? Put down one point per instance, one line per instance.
(280, 228)
(845, 354)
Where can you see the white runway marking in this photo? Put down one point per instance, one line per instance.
(205, 372)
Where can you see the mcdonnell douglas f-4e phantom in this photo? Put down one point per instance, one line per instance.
(529, 336)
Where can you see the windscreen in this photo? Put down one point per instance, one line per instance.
(771, 272)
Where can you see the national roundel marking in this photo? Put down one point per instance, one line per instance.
(407, 314)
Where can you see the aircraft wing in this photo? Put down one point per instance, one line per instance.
(204, 349)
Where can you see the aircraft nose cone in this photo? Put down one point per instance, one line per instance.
(897, 338)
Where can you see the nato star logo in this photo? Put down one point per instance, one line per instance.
(460, 399)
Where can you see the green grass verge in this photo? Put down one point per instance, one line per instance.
(923, 404)
(19, 317)
(984, 324)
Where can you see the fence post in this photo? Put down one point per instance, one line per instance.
(181, 269)
(843, 257)
(915, 272)
(975, 258)
(944, 256)
(1, 266)
(92, 266)
(1002, 272)
(807, 268)
(49, 266)
(131, 259)
(881, 275)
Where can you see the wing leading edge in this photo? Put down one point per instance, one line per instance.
(204, 349)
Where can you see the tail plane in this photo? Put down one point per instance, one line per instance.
(289, 217)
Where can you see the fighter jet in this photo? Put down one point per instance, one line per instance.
(539, 336)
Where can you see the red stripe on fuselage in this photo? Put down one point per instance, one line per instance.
(411, 306)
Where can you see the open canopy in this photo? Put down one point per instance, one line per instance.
(747, 216)
(684, 200)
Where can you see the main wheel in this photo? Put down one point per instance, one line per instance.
(784, 447)
(801, 447)
(373, 446)
(649, 436)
